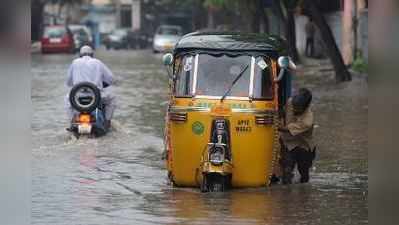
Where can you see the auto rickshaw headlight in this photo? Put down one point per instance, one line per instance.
(216, 157)
(167, 59)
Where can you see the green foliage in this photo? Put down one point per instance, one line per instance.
(215, 3)
(291, 4)
(359, 64)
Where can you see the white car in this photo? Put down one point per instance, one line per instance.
(166, 37)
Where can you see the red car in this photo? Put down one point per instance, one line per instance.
(57, 39)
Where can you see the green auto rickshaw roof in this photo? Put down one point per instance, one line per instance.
(231, 42)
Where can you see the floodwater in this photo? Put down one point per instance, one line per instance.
(121, 179)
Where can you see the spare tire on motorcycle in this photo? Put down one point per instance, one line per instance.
(85, 97)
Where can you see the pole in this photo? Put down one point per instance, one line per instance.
(118, 13)
(355, 28)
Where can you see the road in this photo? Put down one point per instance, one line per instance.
(121, 179)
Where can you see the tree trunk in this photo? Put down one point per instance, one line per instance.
(278, 11)
(264, 16)
(255, 28)
(291, 36)
(68, 14)
(197, 18)
(37, 9)
(341, 72)
(211, 18)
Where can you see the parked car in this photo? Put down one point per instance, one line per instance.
(57, 39)
(138, 39)
(118, 39)
(81, 35)
(166, 37)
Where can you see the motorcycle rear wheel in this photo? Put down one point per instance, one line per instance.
(79, 107)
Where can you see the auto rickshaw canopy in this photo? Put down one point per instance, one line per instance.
(232, 43)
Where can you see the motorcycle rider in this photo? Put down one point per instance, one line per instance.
(86, 68)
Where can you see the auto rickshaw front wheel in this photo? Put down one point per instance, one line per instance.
(215, 182)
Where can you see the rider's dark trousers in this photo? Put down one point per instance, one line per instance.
(300, 157)
(309, 50)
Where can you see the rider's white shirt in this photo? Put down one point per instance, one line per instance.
(88, 69)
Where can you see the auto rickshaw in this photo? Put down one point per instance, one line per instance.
(226, 99)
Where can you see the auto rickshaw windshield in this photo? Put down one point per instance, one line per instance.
(217, 73)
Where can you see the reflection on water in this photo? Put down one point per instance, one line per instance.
(120, 178)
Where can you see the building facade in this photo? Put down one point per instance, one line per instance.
(113, 14)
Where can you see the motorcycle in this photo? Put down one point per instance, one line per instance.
(85, 98)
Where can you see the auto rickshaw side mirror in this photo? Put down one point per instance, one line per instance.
(167, 59)
(284, 62)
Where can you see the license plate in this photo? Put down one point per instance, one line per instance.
(84, 128)
(55, 40)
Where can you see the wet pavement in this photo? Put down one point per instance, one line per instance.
(121, 179)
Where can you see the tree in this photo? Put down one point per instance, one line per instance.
(341, 72)
(37, 8)
(250, 12)
(288, 19)
(263, 15)
(213, 6)
(290, 6)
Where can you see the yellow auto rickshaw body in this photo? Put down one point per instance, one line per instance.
(253, 123)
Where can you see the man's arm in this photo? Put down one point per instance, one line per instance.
(69, 81)
(302, 124)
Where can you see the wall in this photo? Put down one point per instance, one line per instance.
(363, 35)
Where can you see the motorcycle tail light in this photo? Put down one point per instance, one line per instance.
(84, 118)
(178, 117)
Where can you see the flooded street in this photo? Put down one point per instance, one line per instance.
(121, 179)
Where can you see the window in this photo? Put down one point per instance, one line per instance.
(263, 84)
(184, 71)
(216, 74)
(54, 32)
(126, 16)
